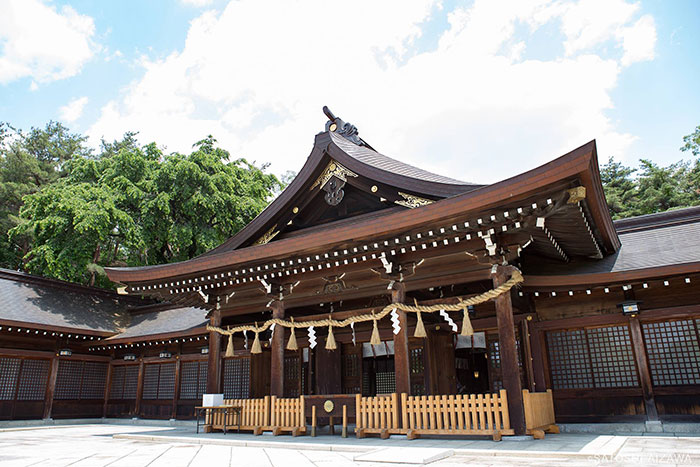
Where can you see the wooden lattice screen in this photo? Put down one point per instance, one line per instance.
(23, 379)
(159, 381)
(673, 349)
(292, 375)
(417, 368)
(592, 358)
(494, 354)
(125, 379)
(80, 380)
(237, 378)
(193, 379)
(351, 369)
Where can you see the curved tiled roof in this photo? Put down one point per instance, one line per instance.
(369, 156)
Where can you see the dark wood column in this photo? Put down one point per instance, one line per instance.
(139, 388)
(176, 392)
(277, 357)
(538, 358)
(51, 387)
(401, 356)
(108, 386)
(214, 364)
(509, 358)
(640, 355)
(527, 354)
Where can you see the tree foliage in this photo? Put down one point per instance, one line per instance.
(651, 188)
(67, 213)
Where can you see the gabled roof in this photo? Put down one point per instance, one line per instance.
(584, 226)
(382, 179)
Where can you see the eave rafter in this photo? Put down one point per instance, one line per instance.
(484, 236)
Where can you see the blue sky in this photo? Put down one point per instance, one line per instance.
(468, 89)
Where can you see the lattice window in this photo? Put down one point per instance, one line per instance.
(292, 370)
(166, 384)
(569, 361)
(673, 351)
(612, 358)
(350, 365)
(151, 374)
(68, 379)
(237, 378)
(9, 373)
(416, 361)
(116, 387)
(385, 377)
(494, 355)
(94, 380)
(193, 380)
(32, 380)
(131, 381)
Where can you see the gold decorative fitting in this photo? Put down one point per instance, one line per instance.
(295, 210)
(374, 188)
(269, 235)
(333, 127)
(412, 201)
(328, 406)
(333, 169)
(576, 194)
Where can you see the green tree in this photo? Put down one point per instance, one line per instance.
(664, 188)
(28, 163)
(132, 205)
(692, 142)
(620, 189)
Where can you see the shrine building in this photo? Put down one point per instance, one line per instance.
(368, 276)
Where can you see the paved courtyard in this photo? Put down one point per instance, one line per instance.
(136, 446)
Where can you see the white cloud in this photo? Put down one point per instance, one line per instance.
(73, 110)
(471, 107)
(38, 41)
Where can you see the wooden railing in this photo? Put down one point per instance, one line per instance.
(539, 413)
(288, 415)
(378, 414)
(255, 415)
(482, 414)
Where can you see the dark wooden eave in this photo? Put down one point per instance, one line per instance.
(580, 166)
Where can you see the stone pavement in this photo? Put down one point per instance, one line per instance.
(135, 446)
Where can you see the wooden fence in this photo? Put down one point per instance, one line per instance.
(482, 414)
(539, 413)
(378, 414)
(255, 415)
(287, 415)
(269, 413)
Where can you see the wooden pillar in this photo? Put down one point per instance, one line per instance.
(176, 392)
(50, 387)
(401, 356)
(214, 364)
(108, 386)
(277, 357)
(640, 355)
(527, 357)
(509, 358)
(139, 388)
(538, 358)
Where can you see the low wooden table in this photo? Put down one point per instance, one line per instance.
(225, 409)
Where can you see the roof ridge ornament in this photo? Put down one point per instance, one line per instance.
(345, 129)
